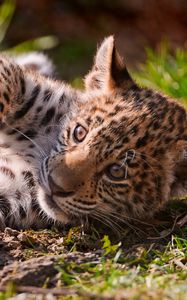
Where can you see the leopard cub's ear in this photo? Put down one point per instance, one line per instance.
(109, 71)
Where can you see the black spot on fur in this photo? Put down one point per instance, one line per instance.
(134, 130)
(142, 141)
(145, 166)
(148, 93)
(62, 98)
(18, 195)
(1, 107)
(31, 133)
(158, 151)
(7, 71)
(156, 125)
(47, 95)
(48, 130)
(112, 114)
(5, 95)
(31, 146)
(138, 187)
(88, 121)
(125, 140)
(118, 108)
(7, 172)
(22, 81)
(28, 176)
(58, 117)
(133, 164)
(5, 207)
(30, 155)
(29, 104)
(99, 119)
(35, 206)
(68, 132)
(22, 212)
(5, 77)
(8, 88)
(49, 115)
(39, 108)
(168, 140)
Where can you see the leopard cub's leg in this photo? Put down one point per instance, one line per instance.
(19, 191)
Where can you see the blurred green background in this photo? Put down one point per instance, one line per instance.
(151, 35)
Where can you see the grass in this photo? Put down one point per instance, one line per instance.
(157, 270)
(149, 275)
(165, 71)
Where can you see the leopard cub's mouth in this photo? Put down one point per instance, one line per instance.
(55, 211)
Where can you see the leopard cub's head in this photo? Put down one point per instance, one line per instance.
(121, 154)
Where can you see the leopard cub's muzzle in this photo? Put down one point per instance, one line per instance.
(61, 191)
(71, 185)
(68, 177)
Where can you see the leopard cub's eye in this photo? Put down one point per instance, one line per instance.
(79, 133)
(116, 172)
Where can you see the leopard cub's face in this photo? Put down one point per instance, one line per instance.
(120, 154)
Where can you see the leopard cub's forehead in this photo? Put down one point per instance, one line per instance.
(132, 102)
(136, 118)
(100, 108)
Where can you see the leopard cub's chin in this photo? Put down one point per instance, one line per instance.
(52, 210)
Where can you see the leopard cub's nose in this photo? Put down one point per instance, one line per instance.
(58, 190)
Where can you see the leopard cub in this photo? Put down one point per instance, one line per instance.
(114, 151)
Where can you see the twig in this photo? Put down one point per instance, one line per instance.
(180, 264)
(168, 231)
(54, 291)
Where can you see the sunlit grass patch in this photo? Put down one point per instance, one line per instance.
(149, 274)
(165, 71)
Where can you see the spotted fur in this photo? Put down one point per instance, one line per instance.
(115, 151)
